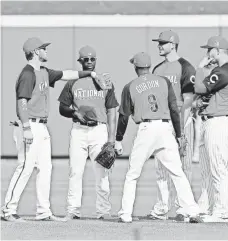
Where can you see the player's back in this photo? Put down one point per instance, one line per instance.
(149, 94)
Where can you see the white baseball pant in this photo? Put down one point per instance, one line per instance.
(87, 141)
(156, 138)
(165, 194)
(215, 138)
(38, 155)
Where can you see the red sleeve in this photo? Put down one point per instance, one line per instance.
(25, 85)
(110, 99)
(54, 75)
(187, 76)
(66, 96)
(217, 80)
(126, 107)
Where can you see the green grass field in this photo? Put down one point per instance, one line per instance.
(89, 227)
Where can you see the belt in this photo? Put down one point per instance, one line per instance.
(207, 117)
(38, 120)
(163, 120)
(90, 124)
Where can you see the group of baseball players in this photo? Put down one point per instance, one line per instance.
(181, 114)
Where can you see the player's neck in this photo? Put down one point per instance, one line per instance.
(223, 61)
(35, 64)
(172, 56)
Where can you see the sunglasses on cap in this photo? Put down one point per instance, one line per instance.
(87, 59)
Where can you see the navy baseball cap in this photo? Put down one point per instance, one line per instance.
(168, 37)
(216, 42)
(33, 43)
(141, 60)
(87, 51)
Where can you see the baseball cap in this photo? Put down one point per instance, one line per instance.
(32, 44)
(141, 60)
(216, 42)
(86, 51)
(168, 37)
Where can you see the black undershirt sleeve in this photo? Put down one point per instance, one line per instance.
(121, 126)
(65, 110)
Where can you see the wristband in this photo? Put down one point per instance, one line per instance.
(93, 74)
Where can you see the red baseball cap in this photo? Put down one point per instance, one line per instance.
(168, 37)
(33, 43)
(216, 42)
(86, 51)
(141, 60)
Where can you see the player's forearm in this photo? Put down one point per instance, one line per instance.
(111, 116)
(65, 110)
(23, 111)
(199, 87)
(74, 74)
(175, 117)
(121, 127)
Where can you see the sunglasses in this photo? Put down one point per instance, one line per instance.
(44, 48)
(87, 59)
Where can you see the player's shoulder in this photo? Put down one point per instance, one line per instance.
(185, 64)
(158, 65)
(221, 69)
(27, 73)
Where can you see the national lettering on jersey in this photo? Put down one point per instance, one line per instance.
(181, 75)
(88, 94)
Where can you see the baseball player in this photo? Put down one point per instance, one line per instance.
(31, 135)
(215, 122)
(181, 75)
(93, 112)
(151, 102)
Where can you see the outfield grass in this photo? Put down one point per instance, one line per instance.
(89, 227)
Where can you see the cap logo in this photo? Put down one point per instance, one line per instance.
(213, 78)
(160, 35)
(171, 39)
(216, 43)
(192, 79)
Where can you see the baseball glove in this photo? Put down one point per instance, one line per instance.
(182, 142)
(103, 81)
(107, 155)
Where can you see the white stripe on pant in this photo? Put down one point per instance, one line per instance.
(38, 155)
(86, 141)
(156, 138)
(216, 144)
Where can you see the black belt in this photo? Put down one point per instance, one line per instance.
(90, 124)
(44, 121)
(163, 120)
(207, 117)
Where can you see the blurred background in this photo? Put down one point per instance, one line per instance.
(114, 47)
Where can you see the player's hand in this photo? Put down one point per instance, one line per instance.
(206, 61)
(182, 144)
(118, 148)
(27, 135)
(79, 116)
(104, 81)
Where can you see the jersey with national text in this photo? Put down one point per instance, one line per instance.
(33, 85)
(180, 73)
(92, 102)
(146, 97)
(217, 85)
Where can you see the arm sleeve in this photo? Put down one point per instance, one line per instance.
(110, 99)
(25, 85)
(65, 110)
(174, 112)
(217, 80)
(54, 75)
(126, 107)
(187, 76)
(66, 96)
(121, 126)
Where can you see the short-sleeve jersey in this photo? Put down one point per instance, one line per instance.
(91, 101)
(33, 85)
(181, 75)
(217, 86)
(146, 97)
